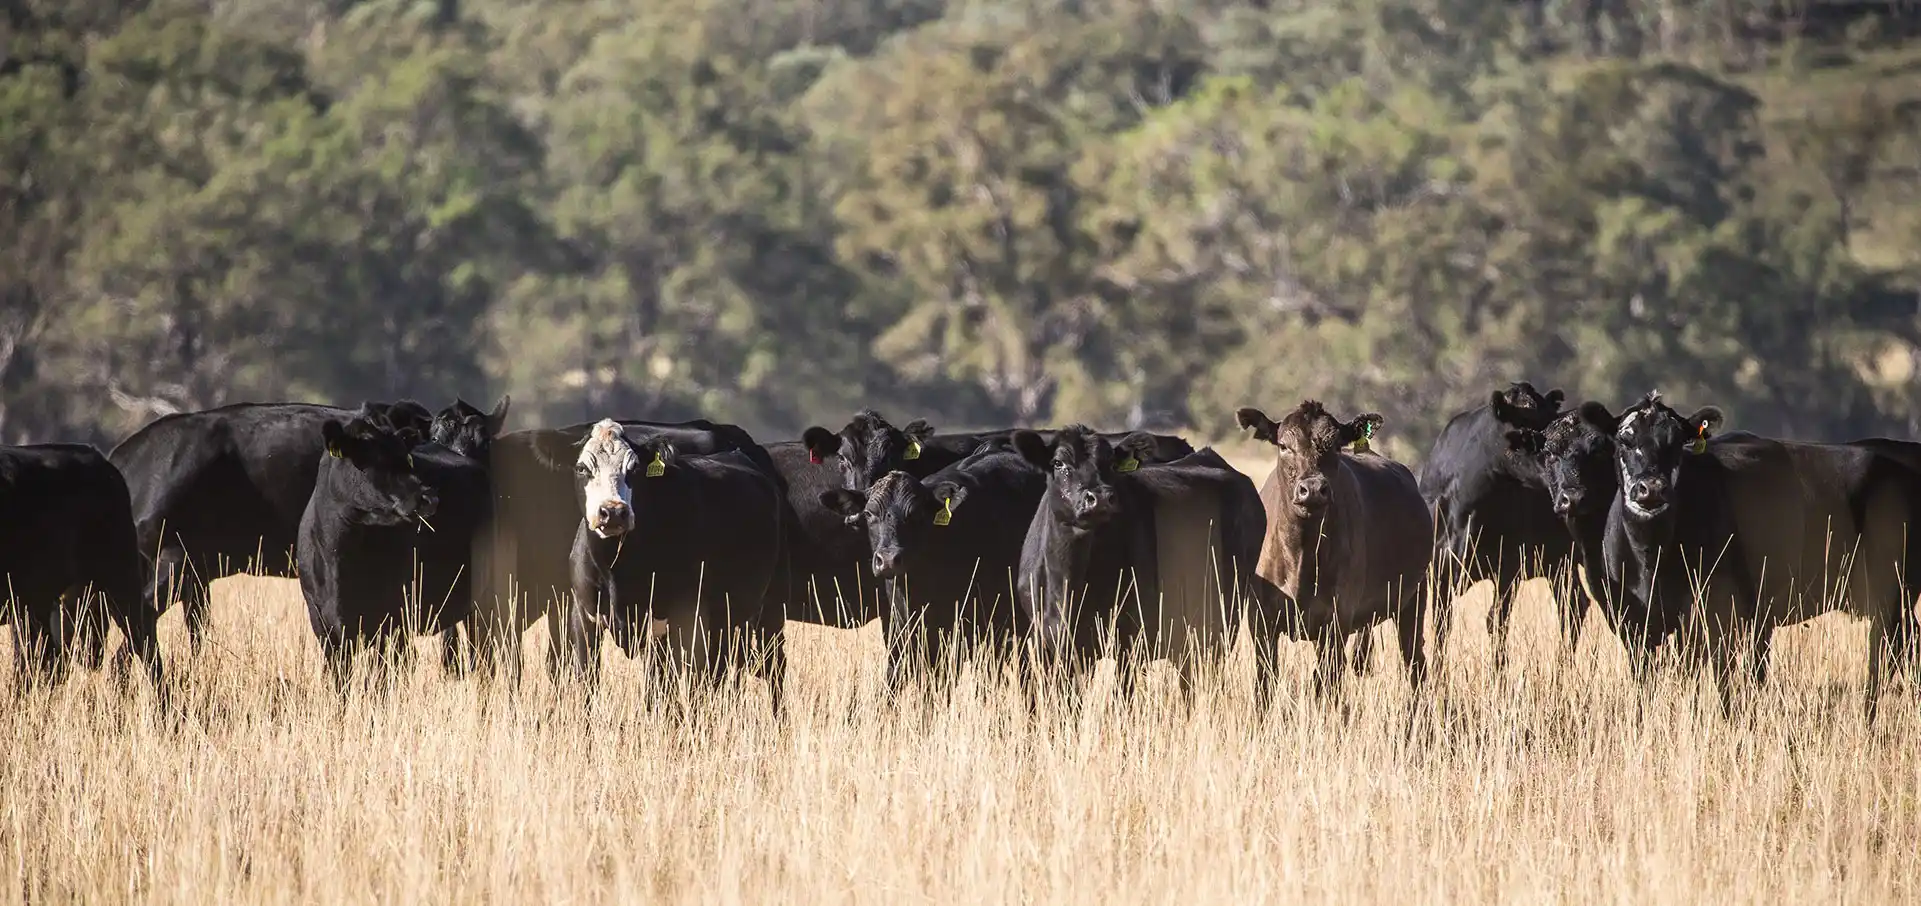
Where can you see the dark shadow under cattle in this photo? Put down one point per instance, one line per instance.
(831, 581)
(221, 491)
(1348, 536)
(1155, 555)
(522, 554)
(1724, 539)
(384, 547)
(946, 549)
(1493, 518)
(678, 549)
(69, 561)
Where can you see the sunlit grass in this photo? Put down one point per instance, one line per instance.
(1548, 784)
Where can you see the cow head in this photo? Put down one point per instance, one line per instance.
(1081, 466)
(868, 448)
(1308, 444)
(1651, 441)
(1575, 456)
(383, 454)
(409, 419)
(1521, 406)
(608, 465)
(899, 513)
(466, 430)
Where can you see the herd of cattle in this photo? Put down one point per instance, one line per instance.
(695, 543)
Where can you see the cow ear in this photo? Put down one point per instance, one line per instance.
(1503, 411)
(659, 455)
(1033, 448)
(497, 419)
(1362, 429)
(820, 443)
(843, 501)
(950, 493)
(1134, 449)
(1707, 420)
(1554, 399)
(1599, 417)
(1523, 440)
(336, 437)
(918, 431)
(1264, 427)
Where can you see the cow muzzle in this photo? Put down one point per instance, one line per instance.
(1566, 502)
(611, 519)
(1647, 498)
(886, 564)
(1310, 494)
(1095, 506)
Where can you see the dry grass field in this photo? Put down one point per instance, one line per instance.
(1557, 782)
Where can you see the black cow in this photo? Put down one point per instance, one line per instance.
(1573, 460)
(830, 581)
(69, 560)
(216, 490)
(384, 542)
(946, 548)
(869, 447)
(1492, 516)
(1165, 553)
(679, 547)
(1724, 539)
(522, 555)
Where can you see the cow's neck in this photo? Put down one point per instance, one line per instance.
(1307, 550)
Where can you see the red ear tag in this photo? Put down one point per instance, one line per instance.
(813, 457)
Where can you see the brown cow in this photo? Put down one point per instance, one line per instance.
(1348, 536)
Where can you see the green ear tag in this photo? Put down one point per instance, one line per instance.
(1701, 439)
(946, 514)
(1367, 433)
(1127, 465)
(913, 451)
(656, 468)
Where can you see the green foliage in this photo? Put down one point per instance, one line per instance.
(978, 211)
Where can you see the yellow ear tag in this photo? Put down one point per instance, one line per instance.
(946, 514)
(1127, 465)
(1367, 431)
(1701, 439)
(656, 468)
(333, 450)
(410, 460)
(913, 452)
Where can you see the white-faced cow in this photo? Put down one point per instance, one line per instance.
(69, 562)
(384, 546)
(1492, 516)
(522, 556)
(679, 550)
(1348, 536)
(1160, 553)
(1723, 539)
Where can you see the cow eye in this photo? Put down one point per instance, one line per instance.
(580, 468)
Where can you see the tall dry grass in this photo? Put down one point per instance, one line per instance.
(1554, 783)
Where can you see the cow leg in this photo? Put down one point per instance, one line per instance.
(1573, 601)
(1327, 673)
(773, 668)
(452, 659)
(1878, 652)
(1409, 621)
(1498, 615)
(38, 657)
(139, 624)
(339, 648)
(1363, 658)
(1760, 652)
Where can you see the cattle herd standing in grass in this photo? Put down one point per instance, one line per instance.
(693, 545)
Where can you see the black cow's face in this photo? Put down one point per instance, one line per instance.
(900, 516)
(1308, 444)
(466, 430)
(1575, 454)
(1521, 406)
(384, 457)
(1080, 467)
(1651, 441)
(868, 448)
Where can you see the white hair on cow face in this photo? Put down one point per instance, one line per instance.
(605, 459)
